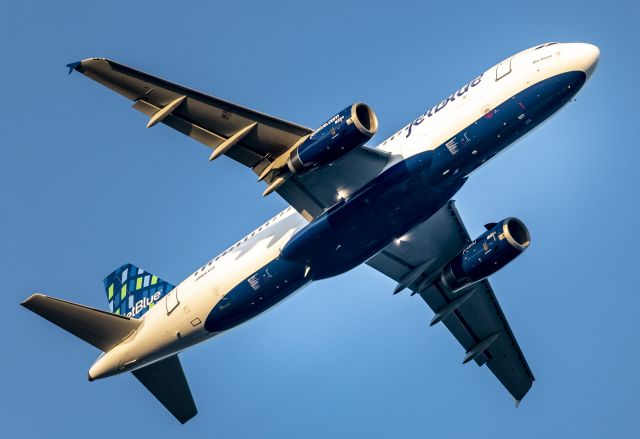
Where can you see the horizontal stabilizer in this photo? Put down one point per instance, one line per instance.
(166, 381)
(101, 329)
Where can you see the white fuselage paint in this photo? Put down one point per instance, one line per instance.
(177, 320)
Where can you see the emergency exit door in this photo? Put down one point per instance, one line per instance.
(172, 301)
(503, 69)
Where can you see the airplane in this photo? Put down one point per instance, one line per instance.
(388, 206)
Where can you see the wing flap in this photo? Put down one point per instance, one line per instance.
(167, 382)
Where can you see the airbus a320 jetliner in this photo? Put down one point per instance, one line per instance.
(389, 207)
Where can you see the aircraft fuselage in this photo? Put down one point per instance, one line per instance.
(431, 159)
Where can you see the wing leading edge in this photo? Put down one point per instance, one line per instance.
(473, 314)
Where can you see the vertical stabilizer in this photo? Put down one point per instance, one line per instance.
(131, 291)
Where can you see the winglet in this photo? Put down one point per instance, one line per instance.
(73, 66)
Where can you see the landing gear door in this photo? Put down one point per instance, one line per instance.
(172, 301)
(503, 69)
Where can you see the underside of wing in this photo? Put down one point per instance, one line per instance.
(207, 119)
(166, 381)
(252, 138)
(472, 314)
(313, 193)
(101, 329)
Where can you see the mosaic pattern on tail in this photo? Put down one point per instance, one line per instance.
(131, 291)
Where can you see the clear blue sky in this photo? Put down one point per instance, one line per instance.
(84, 187)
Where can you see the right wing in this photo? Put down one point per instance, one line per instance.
(249, 137)
(166, 381)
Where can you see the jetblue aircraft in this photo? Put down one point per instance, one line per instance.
(387, 206)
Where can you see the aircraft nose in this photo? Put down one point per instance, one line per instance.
(587, 57)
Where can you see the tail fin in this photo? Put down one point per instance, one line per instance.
(132, 291)
(99, 328)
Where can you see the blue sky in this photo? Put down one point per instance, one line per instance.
(85, 187)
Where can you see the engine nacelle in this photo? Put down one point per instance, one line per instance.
(337, 137)
(494, 249)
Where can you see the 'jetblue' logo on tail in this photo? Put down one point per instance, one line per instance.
(132, 291)
(145, 303)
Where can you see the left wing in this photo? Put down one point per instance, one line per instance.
(247, 136)
(472, 314)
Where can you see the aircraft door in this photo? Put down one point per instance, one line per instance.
(503, 69)
(172, 301)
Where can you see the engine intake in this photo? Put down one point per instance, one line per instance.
(347, 130)
(494, 249)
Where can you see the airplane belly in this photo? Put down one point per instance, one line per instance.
(261, 290)
(357, 229)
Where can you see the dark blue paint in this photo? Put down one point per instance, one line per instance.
(332, 141)
(367, 222)
(486, 255)
(504, 124)
(72, 66)
(393, 203)
(260, 291)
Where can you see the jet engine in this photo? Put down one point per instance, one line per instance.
(495, 248)
(337, 137)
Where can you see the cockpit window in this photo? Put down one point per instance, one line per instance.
(545, 45)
